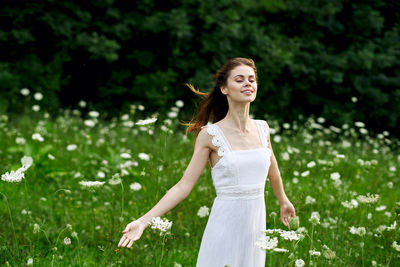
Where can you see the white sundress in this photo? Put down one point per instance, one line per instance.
(237, 215)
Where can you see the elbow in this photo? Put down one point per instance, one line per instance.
(184, 190)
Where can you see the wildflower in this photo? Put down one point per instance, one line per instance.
(146, 121)
(328, 253)
(71, 147)
(299, 263)
(350, 205)
(91, 183)
(20, 140)
(294, 222)
(50, 156)
(115, 179)
(267, 243)
(306, 173)
(179, 103)
(74, 234)
(36, 108)
(69, 227)
(128, 124)
(38, 96)
(82, 104)
(285, 156)
(310, 200)
(140, 107)
(392, 226)
(335, 176)
(125, 117)
(94, 114)
(67, 241)
(396, 246)
(369, 198)
(277, 138)
(357, 231)
(172, 114)
(280, 250)
(101, 174)
(290, 235)
(125, 156)
(36, 228)
(29, 262)
(25, 91)
(14, 176)
(311, 164)
(359, 124)
(144, 156)
(135, 186)
(203, 211)
(314, 252)
(89, 123)
(160, 224)
(380, 208)
(26, 161)
(314, 219)
(38, 137)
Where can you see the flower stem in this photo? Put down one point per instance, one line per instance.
(12, 223)
(162, 249)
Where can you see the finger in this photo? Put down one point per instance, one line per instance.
(126, 229)
(283, 220)
(130, 243)
(125, 242)
(121, 240)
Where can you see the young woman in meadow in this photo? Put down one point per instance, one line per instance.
(239, 151)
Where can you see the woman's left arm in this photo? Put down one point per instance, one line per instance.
(275, 179)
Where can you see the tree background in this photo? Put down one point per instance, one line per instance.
(313, 56)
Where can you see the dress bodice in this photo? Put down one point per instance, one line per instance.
(240, 174)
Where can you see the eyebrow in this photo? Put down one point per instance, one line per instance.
(242, 76)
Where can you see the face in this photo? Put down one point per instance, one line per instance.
(241, 84)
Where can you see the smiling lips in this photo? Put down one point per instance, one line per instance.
(247, 92)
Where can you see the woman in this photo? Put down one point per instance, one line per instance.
(241, 156)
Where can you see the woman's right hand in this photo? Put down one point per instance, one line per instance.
(133, 231)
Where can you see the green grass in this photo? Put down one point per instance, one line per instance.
(51, 196)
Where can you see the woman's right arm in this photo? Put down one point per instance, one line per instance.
(175, 194)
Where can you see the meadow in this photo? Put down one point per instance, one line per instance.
(342, 180)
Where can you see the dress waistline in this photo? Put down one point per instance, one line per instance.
(241, 191)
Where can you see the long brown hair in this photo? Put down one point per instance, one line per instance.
(214, 105)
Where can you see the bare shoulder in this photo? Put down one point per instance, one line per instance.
(204, 139)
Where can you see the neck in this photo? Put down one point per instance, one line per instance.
(238, 118)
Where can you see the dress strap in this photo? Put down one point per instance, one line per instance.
(218, 139)
(263, 127)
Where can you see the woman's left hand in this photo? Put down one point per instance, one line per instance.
(287, 210)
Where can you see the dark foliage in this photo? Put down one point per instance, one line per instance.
(313, 56)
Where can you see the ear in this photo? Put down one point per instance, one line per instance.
(224, 90)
